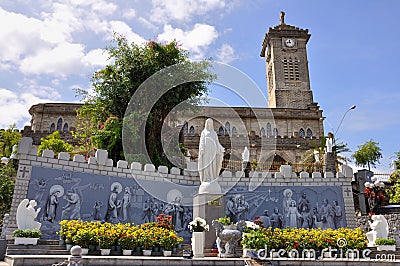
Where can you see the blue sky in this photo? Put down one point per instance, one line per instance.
(51, 47)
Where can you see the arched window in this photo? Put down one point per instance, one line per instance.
(65, 128)
(185, 128)
(234, 131)
(269, 130)
(262, 132)
(309, 133)
(191, 131)
(221, 131)
(275, 132)
(227, 128)
(52, 127)
(302, 134)
(59, 124)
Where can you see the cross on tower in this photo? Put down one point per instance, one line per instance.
(23, 171)
(347, 190)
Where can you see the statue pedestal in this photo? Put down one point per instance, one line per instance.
(209, 207)
(330, 164)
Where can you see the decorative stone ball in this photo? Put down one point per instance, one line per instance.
(76, 251)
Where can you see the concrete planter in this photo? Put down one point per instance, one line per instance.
(105, 251)
(25, 241)
(386, 247)
(126, 252)
(198, 244)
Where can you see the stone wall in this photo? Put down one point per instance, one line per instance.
(255, 188)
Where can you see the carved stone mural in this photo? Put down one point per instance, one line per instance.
(282, 206)
(66, 195)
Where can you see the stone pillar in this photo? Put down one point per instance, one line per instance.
(330, 164)
(209, 207)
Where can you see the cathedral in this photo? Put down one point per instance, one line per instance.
(287, 127)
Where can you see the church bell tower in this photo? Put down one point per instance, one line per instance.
(288, 81)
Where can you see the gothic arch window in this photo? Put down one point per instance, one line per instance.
(59, 124)
(262, 132)
(191, 131)
(291, 68)
(269, 130)
(52, 127)
(221, 131)
(234, 131)
(275, 132)
(65, 128)
(309, 133)
(227, 128)
(185, 128)
(302, 133)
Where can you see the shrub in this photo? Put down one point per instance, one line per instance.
(28, 233)
(385, 241)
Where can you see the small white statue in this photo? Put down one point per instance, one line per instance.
(246, 155)
(380, 229)
(211, 153)
(26, 215)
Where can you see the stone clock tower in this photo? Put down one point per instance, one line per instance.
(288, 81)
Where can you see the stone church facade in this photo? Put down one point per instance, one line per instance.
(286, 128)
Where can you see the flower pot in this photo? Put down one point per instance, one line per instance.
(136, 249)
(156, 249)
(126, 252)
(386, 247)
(118, 248)
(198, 244)
(68, 246)
(146, 252)
(105, 251)
(167, 253)
(85, 251)
(61, 242)
(25, 241)
(92, 247)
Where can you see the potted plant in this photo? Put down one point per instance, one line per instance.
(146, 244)
(170, 241)
(26, 237)
(84, 239)
(198, 226)
(105, 243)
(127, 244)
(388, 244)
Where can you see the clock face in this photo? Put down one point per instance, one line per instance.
(289, 42)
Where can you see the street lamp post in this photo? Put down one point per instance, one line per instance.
(341, 121)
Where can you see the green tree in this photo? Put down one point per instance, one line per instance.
(55, 143)
(100, 119)
(368, 154)
(7, 171)
(8, 138)
(393, 190)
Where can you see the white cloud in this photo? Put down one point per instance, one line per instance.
(14, 108)
(62, 60)
(196, 40)
(96, 57)
(226, 53)
(147, 23)
(164, 11)
(129, 14)
(124, 29)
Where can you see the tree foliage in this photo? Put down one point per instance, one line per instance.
(393, 191)
(100, 119)
(7, 171)
(8, 138)
(368, 154)
(55, 143)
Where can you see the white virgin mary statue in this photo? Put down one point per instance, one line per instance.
(211, 153)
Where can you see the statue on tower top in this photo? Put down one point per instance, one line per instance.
(282, 18)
